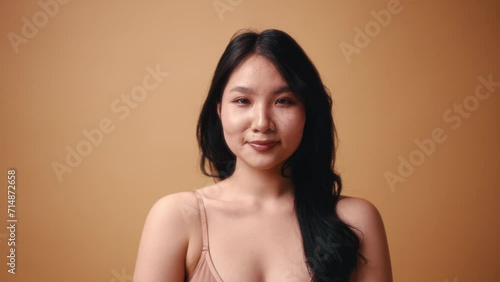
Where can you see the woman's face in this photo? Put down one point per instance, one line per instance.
(257, 105)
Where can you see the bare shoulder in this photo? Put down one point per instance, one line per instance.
(174, 202)
(173, 209)
(165, 239)
(359, 213)
(367, 223)
(178, 211)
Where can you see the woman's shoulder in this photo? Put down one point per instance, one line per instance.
(355, 205)
(182, 207)
(178, 208)
(169, 203)
(172, 217)
(365, 220)
(171, 211)
(361, 214)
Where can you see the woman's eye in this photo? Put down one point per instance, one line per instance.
(241, 101)
(284, 101)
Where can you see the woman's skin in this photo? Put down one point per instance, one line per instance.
(253, 231)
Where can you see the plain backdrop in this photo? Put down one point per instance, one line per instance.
(419, 132)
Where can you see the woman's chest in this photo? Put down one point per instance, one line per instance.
(257, 249)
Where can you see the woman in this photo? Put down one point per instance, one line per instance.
(275, 213)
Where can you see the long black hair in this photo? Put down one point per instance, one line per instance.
(331, 248)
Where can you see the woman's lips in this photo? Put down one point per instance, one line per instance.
(263, 147)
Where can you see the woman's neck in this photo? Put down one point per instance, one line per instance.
(258, 186)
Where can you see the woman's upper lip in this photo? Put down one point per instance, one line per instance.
(263, 142)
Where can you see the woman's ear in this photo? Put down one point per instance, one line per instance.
(218, 109)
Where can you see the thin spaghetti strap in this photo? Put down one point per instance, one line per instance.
(203, 219)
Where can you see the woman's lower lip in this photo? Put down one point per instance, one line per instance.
(263, 147)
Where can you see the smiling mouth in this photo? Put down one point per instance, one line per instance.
(263, 146)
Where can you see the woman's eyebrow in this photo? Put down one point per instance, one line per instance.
(283, 89)
(241, 89)
(246, 90)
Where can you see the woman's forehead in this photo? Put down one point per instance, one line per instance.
(256, 73)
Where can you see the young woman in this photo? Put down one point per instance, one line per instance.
(275, 212)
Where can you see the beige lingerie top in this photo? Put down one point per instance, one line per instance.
(205, 270)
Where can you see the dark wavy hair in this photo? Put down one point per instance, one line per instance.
(331, 248)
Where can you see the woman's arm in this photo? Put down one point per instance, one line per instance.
(364, 216)
(164, 241)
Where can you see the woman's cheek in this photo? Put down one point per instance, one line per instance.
(232, 122)
(294, 119)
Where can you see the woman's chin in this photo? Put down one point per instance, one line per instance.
(264, 165)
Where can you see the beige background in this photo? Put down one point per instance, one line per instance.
(442, 221)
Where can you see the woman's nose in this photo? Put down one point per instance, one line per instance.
(262, 120)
